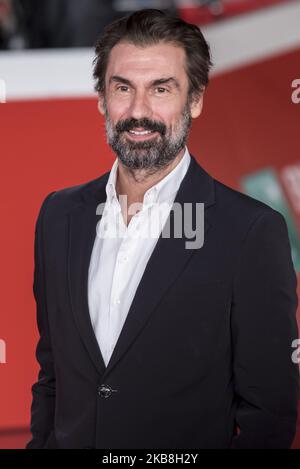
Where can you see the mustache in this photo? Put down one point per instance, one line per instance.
(147, 124)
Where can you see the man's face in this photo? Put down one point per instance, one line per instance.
(146, 107)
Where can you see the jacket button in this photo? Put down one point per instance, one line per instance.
(105, 391)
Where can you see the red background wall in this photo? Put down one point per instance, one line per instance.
(249, 123)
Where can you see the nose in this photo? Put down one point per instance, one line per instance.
(140, 106)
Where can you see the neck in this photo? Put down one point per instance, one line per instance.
(134, 183)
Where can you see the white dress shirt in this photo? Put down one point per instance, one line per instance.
(120, 253)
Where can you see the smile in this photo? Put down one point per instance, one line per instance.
(141, 134)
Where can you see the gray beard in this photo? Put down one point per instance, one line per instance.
(150, 155)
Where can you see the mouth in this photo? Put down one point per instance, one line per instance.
(141, 134)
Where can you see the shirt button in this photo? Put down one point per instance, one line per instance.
(122, 259)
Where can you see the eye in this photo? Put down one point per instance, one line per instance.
(122, 88)
(161, 90)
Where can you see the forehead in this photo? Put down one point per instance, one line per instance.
(154, 61)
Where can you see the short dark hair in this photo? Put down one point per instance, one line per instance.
(148, 27)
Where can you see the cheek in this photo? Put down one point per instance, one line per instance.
(164, 115)
(170, 113)
(117, 110)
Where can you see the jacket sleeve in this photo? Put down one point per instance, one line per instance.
(43, 391)
(263, 325)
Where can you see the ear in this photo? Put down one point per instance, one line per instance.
(101, 107)
(197, 105)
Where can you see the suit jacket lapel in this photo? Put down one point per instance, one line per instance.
(82, 232)
(168, 259)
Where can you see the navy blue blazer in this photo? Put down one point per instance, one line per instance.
(204, 357)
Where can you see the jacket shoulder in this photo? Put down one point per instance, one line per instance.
(241, 210)
(65, 199)
(234, 200)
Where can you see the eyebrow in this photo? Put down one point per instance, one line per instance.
(159, 81)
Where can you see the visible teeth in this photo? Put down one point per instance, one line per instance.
(144, 132)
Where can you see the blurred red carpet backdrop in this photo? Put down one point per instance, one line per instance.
(249, 125)
(209, 13)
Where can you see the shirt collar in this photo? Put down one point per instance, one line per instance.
(111, 183)
(163, 191)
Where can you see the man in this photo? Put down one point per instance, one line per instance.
(146, 341)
